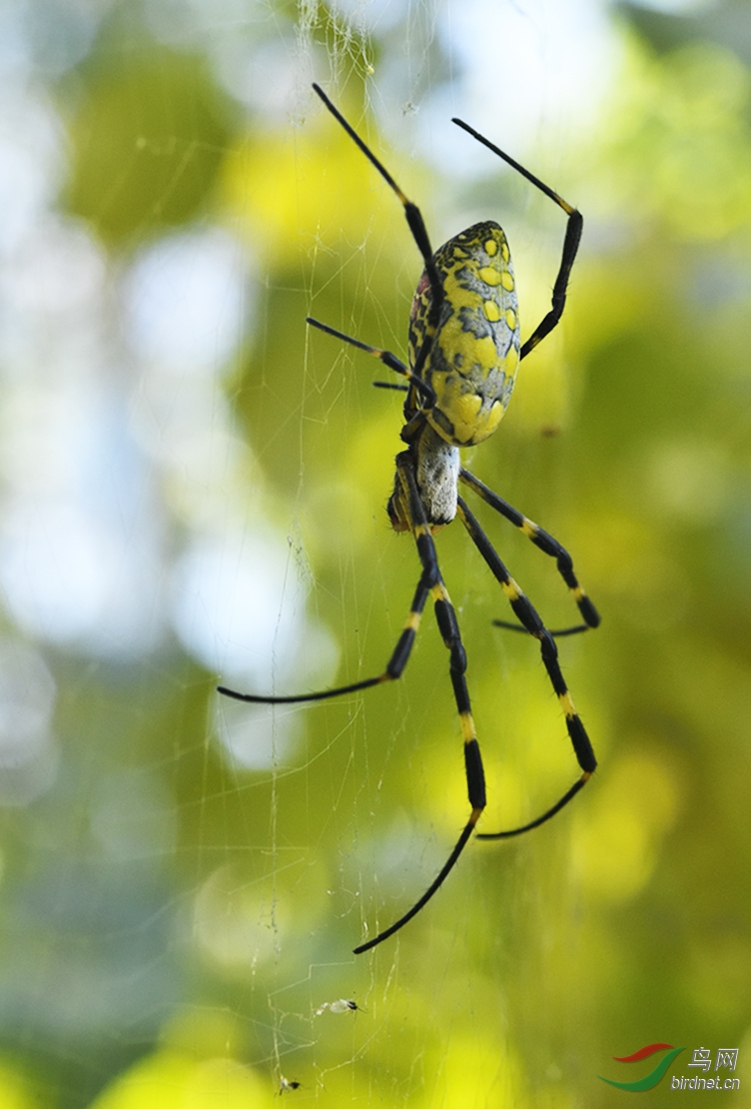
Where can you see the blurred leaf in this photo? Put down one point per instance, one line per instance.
(147, 138)
(726, 24)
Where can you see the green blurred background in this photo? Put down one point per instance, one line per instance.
(193, 489)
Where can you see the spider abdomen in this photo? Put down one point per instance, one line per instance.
(474, 356)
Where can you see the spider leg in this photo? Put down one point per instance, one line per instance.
(432, 584)
(385, 356)
(411, 211)
(391, 385)
(570, 242)
(449, 628)
(527, 615)
(548, 544)
(416, 226)
(557, 633)
(394, 668)
(570, 247)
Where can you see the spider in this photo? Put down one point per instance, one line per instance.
(464, 352)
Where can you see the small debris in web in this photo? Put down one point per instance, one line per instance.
(340, 1006)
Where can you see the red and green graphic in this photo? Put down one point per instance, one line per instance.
(654, 1076)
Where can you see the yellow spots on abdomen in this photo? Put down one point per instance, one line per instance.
(492, 421)
(490, 275)
(466, 408)
(475, 357)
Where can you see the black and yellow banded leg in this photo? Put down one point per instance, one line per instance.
(394, 669)
(571, 242)
(427, 392)
(449, 629)
(416, 225)
(430, 584)
(546, 543)
(527, 615)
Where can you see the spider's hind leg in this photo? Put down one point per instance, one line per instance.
(412, 509)
(549, 545)
(530, 620)
(557, 633)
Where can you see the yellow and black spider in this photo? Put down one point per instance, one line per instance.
(464, 351)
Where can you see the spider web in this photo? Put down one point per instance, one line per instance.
(194, 489)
